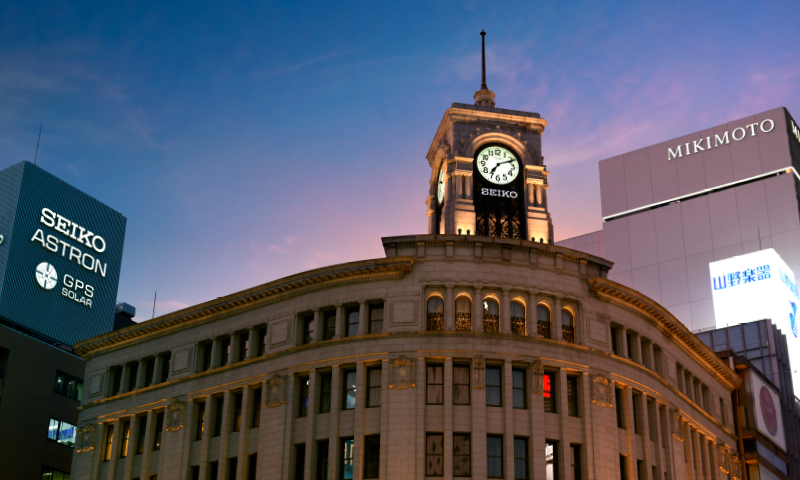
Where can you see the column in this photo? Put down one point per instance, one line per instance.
(234, 356)
(363, 321)
(318, 327)
(247, 418)
(287, 445)
(333, 442)
(505, 311)
(627, 394)
(215, 353)
(144, 469)
(312, 410)
(114, 450)
(126, 374)
(647, 452)
(206, 440)
(358, 450)
(588, 432)
(508, 414)
(189, 408)
(140, 376)
(385, 396)
(448, 418)
(539, 199)
(623, 342)
(533, 326)
(223, 438)
(159, 362)
(252, 350)
(341, 329)
(478, 407)
(555, 321)
(449, 308)
(132, 435)
(564, 451)
(637, 346)
(477, 311)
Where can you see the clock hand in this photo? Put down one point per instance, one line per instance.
(498, 164)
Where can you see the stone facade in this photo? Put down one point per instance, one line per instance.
(206, 373)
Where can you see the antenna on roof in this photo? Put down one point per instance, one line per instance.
(483, 60)
(37, 144)
(154, 305)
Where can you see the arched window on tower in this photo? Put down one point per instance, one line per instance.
(435, 313)
(464, 314)
(518, 318)
(491, 315)
(543, 320)
(568, 325)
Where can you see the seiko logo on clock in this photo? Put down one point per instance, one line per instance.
(492, 192)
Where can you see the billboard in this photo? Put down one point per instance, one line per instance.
(60, 256)
(767, 411)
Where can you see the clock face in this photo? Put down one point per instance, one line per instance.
(46, 276)
(440, 186)
(498, 165)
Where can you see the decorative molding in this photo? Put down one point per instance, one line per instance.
(538, 377)
(736, 467)
(724, 456)
(602, 391)
(677, 425)
(174, 415)
(478, 373)
(276, 390)
(403, 373)
(86, 436)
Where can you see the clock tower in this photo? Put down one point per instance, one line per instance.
(487, 171)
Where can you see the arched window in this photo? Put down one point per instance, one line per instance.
(568, 325)
(435, 313)
(543, 320)
(518, 318)
(491, 315)
(464, 314)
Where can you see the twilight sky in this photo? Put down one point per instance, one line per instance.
(247, 142)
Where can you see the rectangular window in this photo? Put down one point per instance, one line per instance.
(218, 411)
(372, 456)
(641, 472)
(435, 384)
(376, 318)
(631, 341)
(213, 470)
(618, 406)
(133, 372)
(233, 465)
(256, 413)
(461, 384)
(126, 433)
(325, 386)
(322, 459)
(165, 359)
(49, 473)
(576, 461)
(351, 314)
(237, 411)
(637, 412)
(494, 455)
(346, 459)
(303, 406)
(551, 459)
(434, 455)
(201, 420)
(299, 461)
(461, 455)
(195, 472)
(520, 458)
(225, 351)
(69, 386)
(262, 341)
(116, 380)
(623, 467)
(308, 328)
(109, 442)
(140, 436)
(329, 321)
(518, 388)
(159, 430)
(244, 346)
(252, 465)
(349, 390)
(549, 392)
(61, 432)
(572, 395)
(149, 371)
(494, 397)
(652, 417)
(374, 387)
(615, 341)
(206, 350)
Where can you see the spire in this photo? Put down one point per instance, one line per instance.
(484, 97)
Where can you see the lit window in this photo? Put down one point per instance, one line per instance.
(349, 390)
(61, 432)
(69, 386)
(549, 393)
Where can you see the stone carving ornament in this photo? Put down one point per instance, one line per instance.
(85, 440)
(478, 373)
(736, 467)
(602, 391)
(724, 455)
(402, 373)
(538, 377)
(174, 415)
(677, 425)
(275, 390)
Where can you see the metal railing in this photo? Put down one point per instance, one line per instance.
(568, 333)
(464, 322)
(491, 323)
(435, 321)
(543, 328)
(518, 326)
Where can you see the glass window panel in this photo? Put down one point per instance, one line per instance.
(347, 459)
(374, 394)
(517, 310)
(66, 434)
(705, 337)
(542, 313)
(550, 461)
(461, 455)
(762, 327)
(493, 397)
(490, 307)
(461, 385)
(720, 339)
(463, 305)
(350, 390)
(434, 455)
(352, 321)
(435, 384)
(566, 318)
(52, 430)
(435, 305)
(735, 339)
(518, 388)
(376, 318)
(494, 456)
(751, 336)
(520, 458)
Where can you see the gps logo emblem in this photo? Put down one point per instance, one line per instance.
(46, 276)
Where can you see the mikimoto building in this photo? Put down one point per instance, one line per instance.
(479, 350)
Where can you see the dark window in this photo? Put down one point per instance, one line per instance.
(201, 420)
(623, 468)
(572, 396)
(126, 434)
(376, 318)
(518, 388)
(374, 387)
(233, 465)
(351, 313)
(349, 399)
(630, 343)
(618, 406)
(494, 456)
(159, 430)
(461, 455)
(49, 473)
(637, 413)
(195, 472)
(460, 384)
(493, 391)
(256, 416)
(491, 315)
(435, 384)
(434, 455)
(322, 459)
(325, 386)
(329, 322)
(109, 442)
(551, 459)
(237, 411)
(372, 456)
(576, 462)
(219, 402)
(303, 406)
(244, 345)
(615, 341)
(299, 461)
(69, 386)
(308, 328)
(520, 458)
(165, 359)
(252, 464)
(140, 436)
(641, 471)
(213, 470)
(225, 351)
(116, 380)
(549, 388)
(61, 432)
(346, 459)
(133, 372)
(652, 418)
(262, 341)
(543, 321)
(206, 349)
(149, 371)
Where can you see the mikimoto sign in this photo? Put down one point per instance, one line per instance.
(60, 258)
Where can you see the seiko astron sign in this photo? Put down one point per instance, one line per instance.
(60, 258)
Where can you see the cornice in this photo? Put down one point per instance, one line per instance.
(236, 303)
(623, 296)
